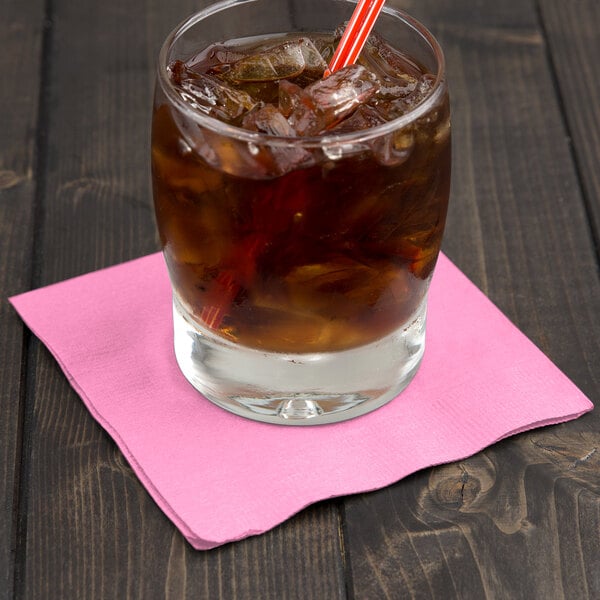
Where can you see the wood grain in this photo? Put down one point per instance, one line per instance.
(21, 35)
(490, 526)
(499, 525)
(573, 40)
(92, 529)
(519, 520)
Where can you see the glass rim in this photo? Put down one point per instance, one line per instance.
(315, 141)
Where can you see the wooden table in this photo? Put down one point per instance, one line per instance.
(519, 520)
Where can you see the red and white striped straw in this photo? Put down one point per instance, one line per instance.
(356, 34)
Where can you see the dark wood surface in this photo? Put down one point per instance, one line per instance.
(519, 520)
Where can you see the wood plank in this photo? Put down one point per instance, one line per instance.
(21, 35)
(92, 530)
(573, 39)
(499, 525)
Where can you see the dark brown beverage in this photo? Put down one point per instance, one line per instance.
(309, 232)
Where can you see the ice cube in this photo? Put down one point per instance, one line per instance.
(396, 87)
(423, 265)
(184, 175)
(384, 59)
(391, 149)
(394, 148)
(274, 325)
(290, 95)
(325, 46)
(398, 106)
(422, 90)
(364, 117)
(343, 91)
(203, 239)
(213, 96)
(224, 153)
(261, 91)
(327, 101)
(268, 120)
(278, 159)
(214, 60)
(223, 56)
(314, 63)
(175, 154)
(296, 104)
(325, 288)
(281, 62)
(178, 70)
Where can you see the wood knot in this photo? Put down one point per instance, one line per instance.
(459, 487)
(456, 492)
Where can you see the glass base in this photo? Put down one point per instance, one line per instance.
(298, 389)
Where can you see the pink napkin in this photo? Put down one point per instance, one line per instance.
(220, 477)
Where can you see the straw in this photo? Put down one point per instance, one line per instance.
(356, 34)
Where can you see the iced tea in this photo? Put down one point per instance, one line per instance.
(310, 233)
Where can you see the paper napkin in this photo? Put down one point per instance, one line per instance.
(220, 477)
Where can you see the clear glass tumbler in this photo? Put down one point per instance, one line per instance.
(300, 264)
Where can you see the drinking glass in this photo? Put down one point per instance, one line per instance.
(299, 265)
